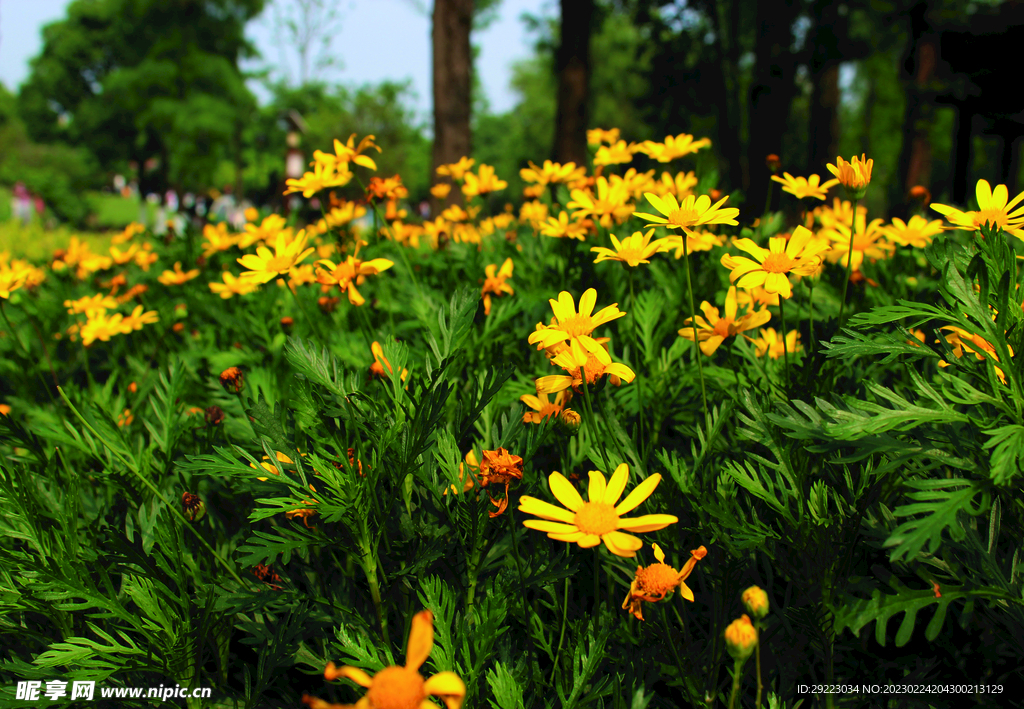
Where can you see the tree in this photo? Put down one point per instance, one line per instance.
(135, 79)
(573, 69)
(310, 27)
(452, 64)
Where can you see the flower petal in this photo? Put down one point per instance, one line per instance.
(421, 640)
(570, 537)
(587, 301)
(545, 525)
(616, 485)
(445, 683)
(589, 540)
(647, 523)
(640, 493)
(595, 492)
(544, 510)
(353, 673)
(564, 492)
(622, 544)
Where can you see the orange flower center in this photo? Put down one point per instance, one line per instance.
(657, 579)
(778, 263)
(992, 216)
(396, 688)
(577, 325)
(723, 328)
(682, 217)
(279, 264)
(596, 518)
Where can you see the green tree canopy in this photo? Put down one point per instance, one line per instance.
(134, 79)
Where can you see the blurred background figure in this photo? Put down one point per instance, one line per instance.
(21, 203)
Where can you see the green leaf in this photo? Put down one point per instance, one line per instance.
(508, 693)
(1008, 442)
(940, 505)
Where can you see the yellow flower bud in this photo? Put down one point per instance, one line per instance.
(755, 600)
(569, 421)
(741, 638)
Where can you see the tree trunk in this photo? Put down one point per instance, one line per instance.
(452, 22)
(729, 136)
(915, 161)
(829, 31)
(771, 94)
(572, 66)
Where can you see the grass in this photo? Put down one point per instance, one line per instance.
(35, 241)
(112, 211)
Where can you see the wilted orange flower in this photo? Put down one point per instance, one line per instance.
(232, 378)
(653, 583)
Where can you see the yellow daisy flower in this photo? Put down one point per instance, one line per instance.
(458, 170)
(695, 241)
(542, 408)
(400, 687)
(993, 208)
(137, 319)
(563, 228)
(572, 325)
(596, 136)
(681, 185)
(92, 302)
(855, 176)
(345, 153)
(614, 154)
(868, 242)
(798, 255)
(552, 173)
(322, 177)
(350, 273)
(768, 342)
(712, 329)
(177, 277)
(611, 203)
(633, 250)
(233, 286)
(495, 282)
(600, 518)
(804, 187)
(918, 232)
(265, 265)
(593, 358)
(677, 147)
(484, 182)
(691, 212)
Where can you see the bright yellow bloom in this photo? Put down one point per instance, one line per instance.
(803, 187)
(10, 281)
(692, 212)
(552, 173)
(599, 519)
(98, 301)
(129, 231)
(962, 340)
(350, 273)
(268, 466)
(495, 283)
(855, 176)
(458, 170)
(344, 153)
(233, 286)
(572, 325)
(633, 250)
(146, 258)
(542, 408)
(484, 182)
(635, 183)
(100, 326)
(177, 277)
(653, 583)
(344, 213)
(406, 234)
(137, 319)
(756, 296)
(267, 231)
(695, 241)
(918, 232)
(614, 154)
(593, 358)
(322, 177)
(869, 242)
(712, 331)
(123, 257)
(798, 255)
(681, 185)
(677, 147)
(768, 341)
(455, 213)
(441, 190)
(993, 208)
(533, 213)
(399, 687)
(563, 228)
(612, 203)
(264, 265)
(597, 136)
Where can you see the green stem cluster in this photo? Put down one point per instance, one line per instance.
(849, 262)
(696, 341)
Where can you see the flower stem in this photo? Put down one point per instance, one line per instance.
(737, 672)
(785, 347)
(636, 349)
(522, 588)
(591, 420)
(696, 342)
(810, 304)
(760, 686)
(849, 262)
(597, 579)
(561, 633)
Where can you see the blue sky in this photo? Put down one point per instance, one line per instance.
(379, 39)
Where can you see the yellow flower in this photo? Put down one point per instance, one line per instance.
(483, 183)
(380, 362)
(270, 467)
(401, 687)
(962, 340)
(993, 208)
(695, 241)
(614, 154)
(868, 242)
(441, 190)
(691, 212)
(597, 136)
(322, 177)
(348, 152)
(82, 305)
(611, 202)
(233, 286)
(533, 213)
(756, 296)
(803, 187)
(137, 319)
(681, 185)
(123, 257)
(600, 519)
(572, 325)
(100, 326)
(458, 170)
(562, 227)
(266, 232)
(146, 258)
(177, 277)
(264, 265)
(741, 638)
(713, 330)
(129, 231)
(653, 583)
(542, 408)
(350, 273)
(799, 255)
(595, 361)
(5, 409)
(855, 176)
(677, 147)
(768, 341)
(633, 250)
(552, 173)
(917, 232)
(495, 283)
(251, 214)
